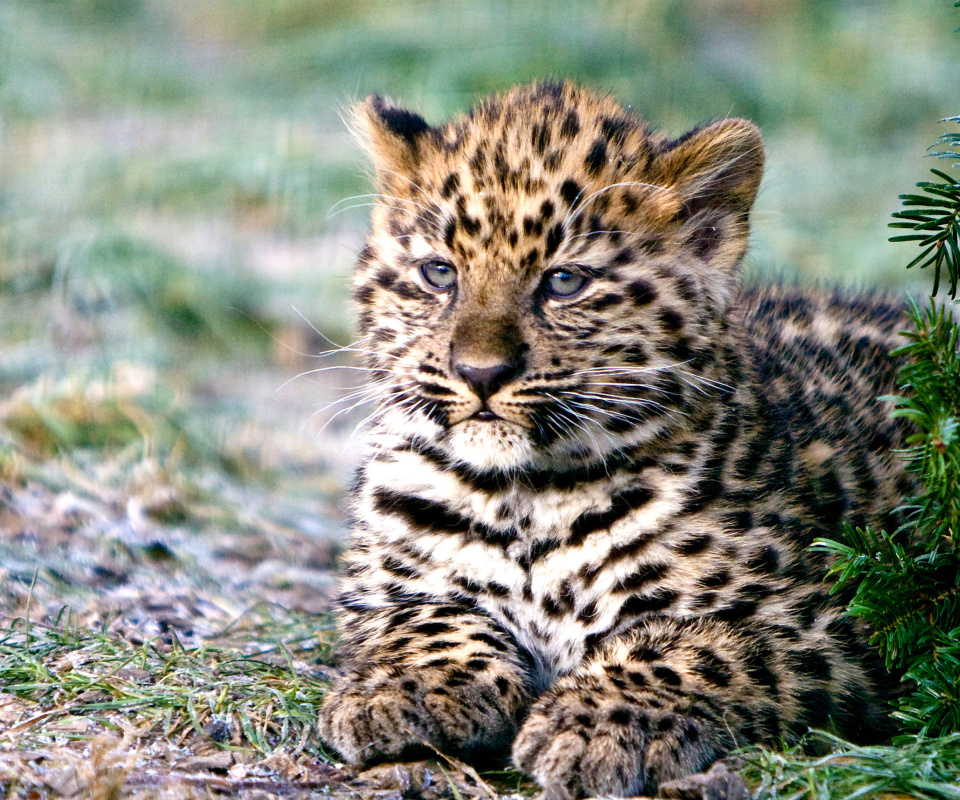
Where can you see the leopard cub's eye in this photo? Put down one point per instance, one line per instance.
(564, 282)
(438, 275)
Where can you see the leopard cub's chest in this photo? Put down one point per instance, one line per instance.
(552, 565)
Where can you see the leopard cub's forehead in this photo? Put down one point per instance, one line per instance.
(509, 175)
(526, 140)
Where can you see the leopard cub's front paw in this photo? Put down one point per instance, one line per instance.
(576, 747)
(369, 718)
(383, 713)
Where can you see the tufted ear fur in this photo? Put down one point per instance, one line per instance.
(717, 167)
(393, 136)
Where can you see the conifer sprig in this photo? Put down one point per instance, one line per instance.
(935, 219)
(907, 583)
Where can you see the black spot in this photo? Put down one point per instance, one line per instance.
(418, 512)
(597, 157)
(621, 716)
(705, 240)
(655, 601)
(739, 520)
(540, 138)
(603, 301)
(637, 678)
(712, 668)
(694, 544)
(385, 277)
(395, 567)
(665, 724)
(450, 185)
(538, 550)
(364, 293)
(588, 612)
(716, 579)
(470, 225)
(614, 129)
(691, 733)
(554, 237)
(532, 227)
(643, 574)
(449, 231)
(644, 653)
(766, 562)
(488, 639)
(468, 585)
(552, 160)
(530, 258)
(570, 191)
(570, 126)
(667, 675)
(439, 644)
(704, 600)
(551, 607)
(759, 670)
(546, 209)
(621, 504)
(641, 292)
(737, 610)
(811, 664)
(671, 320)
(635, 354)
(680, 350)
(367, 255)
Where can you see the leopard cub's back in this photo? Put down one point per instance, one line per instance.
(597, 465)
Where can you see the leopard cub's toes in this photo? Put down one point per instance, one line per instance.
(576, 748)
(368, 720)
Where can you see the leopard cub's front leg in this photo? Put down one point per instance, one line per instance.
(421, 677)
(634, 717)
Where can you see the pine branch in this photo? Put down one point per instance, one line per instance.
(935, 219)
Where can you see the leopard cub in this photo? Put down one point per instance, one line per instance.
(582, 528)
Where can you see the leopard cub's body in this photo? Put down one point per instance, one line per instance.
(584, 524)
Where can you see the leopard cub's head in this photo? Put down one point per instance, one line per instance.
(546, 281)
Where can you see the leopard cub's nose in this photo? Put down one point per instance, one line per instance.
(485, 381)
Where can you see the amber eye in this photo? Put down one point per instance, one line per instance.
(564, 282)
(438, 275)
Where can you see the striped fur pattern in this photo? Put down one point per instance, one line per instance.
(583, 526)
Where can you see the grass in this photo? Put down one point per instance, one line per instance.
(230, 697)
(926, 769)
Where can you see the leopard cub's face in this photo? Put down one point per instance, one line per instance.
(545, 279)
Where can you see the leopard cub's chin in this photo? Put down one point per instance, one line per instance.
(491, 445)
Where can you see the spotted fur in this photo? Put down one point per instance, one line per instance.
(583, 526)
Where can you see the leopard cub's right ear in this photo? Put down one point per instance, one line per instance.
(393, 136)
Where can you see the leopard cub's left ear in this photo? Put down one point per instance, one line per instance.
(718, 167)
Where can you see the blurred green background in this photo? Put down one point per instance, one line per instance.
(167, 170)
